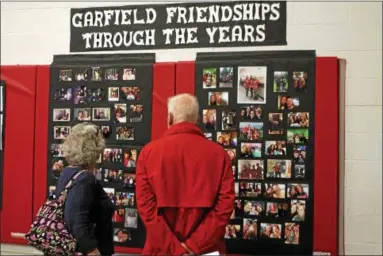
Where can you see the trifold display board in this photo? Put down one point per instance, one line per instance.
(260, 107)
(2, 119)
(113, 92)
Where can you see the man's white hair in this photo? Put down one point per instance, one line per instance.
(184, 108)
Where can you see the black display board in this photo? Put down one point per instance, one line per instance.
(2, 120)
(260, 107)
(115, 93)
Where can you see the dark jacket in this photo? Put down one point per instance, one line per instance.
(88, 212)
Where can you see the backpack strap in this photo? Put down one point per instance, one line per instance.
(68, 186)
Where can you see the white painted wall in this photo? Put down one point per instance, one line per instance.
(31, 33)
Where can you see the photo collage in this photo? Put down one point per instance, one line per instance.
(111, 99)
(267, 139)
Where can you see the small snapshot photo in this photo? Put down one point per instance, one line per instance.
(52, 193)
(131, 218)
(112, 155)
(63, 95)
(232, 153)
(96, 74)
(275, 148)
(273, 231)
(119, 216)
(250, 169)
(113, 94)
(288, 103)
(208, 135)
(251, 113)
(299, 153)
(106, 131)
(250, 231)
(101, 114)
(233, 232)
(61, 114)
(250, 189)
(272, 190)
(61, 132)
(130, 93)
(82, 114)
(300, 171)
(120, 113)
(253, 209)
(218, 99)
(56, 150)
(122, 235)
(130, 157)
(277, 210)
(96, 95)
(227, 139)
(111, 74)
(300, 81)
(298, 191)
(80, 94)
(209, 78)
(291, 233)
(297, 136)
(65, 75)
(298, 120)
(252, 85)
(237, 212)
(124, 133)
(278, 169)
(298, 210)
(136, 113)
(57, 167)
(126, 199)
(129, 180)
(112, 175)
(226, 77)
(276, 123)
(81, 74)
(281, 83)
(251, 150)
(129, 74)
(250, 131)
(111, 195)
(228, 120)
(209, 117)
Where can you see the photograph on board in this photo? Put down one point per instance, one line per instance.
(251, 85)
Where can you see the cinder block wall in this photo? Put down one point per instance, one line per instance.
(31, 33)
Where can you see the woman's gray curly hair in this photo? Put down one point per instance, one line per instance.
(84, 145)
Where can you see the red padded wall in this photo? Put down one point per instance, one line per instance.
(16, 214)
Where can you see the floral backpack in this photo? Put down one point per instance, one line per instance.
(48, 232)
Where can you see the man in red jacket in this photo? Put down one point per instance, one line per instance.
(184, 186)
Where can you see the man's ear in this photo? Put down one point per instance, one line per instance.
(170, 119)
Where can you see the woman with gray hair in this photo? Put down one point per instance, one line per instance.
(88, 209)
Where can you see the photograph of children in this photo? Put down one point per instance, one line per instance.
(61, 132)
(250, 131)
(271, 231)
(208, 135)
(227, 139)
(106, 131)
(251, 150)
(251, 113)
(298, 209)
(228, 120)
(81, 74)
(250, 231)
(131, 216)
(233, 232)
(111, 195)
(280, 81)
(119, 216)
(250, 169)
(57, 167)
(130, 93)
(120, 113)
(297, 136)
(209, 117)
(300, 81)
(124, 133)
(209, 78)
(253, 209)
(275, 148)
(136, 114)
(278, 169)
(274, 190)
(126, 199)
(101, 114)
(250, 189)
(62, 95)
(65, 75)
(218, 99)
(299, 153)
(129, 74)
(251, 85)
(80, 94)
(287, 103)
(232, 153)
(277, 210)
(130, 157)
(82, 114)
(56, 150)
(122, 235)
(52, 193)
(129, 180)
(61, 114)
(110, 74)
(96, 95)
(112, 175)
(113, 155)
(300, 171)
(113, 94)
(298, 191)
(96, 74)
(291, 233)
(226, 77)
(276, 123)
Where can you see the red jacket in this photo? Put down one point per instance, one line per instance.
(185, 192)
